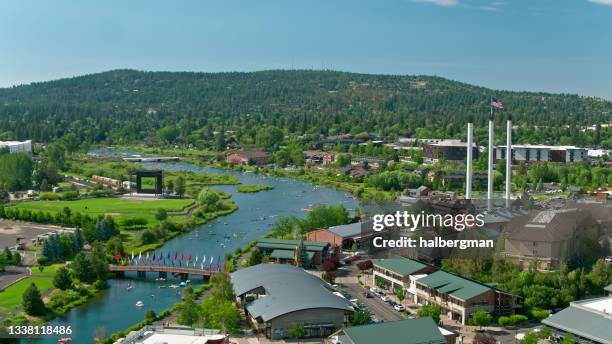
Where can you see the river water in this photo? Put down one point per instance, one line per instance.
(114, 309)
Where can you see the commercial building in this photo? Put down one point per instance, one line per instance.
(542, 153)
(406, 331)
(286, 251)
(343, 237)
(174, 335)
(459, 297)
(277, 297)
(448, 150)
(17, 146)
(549, 237)
(319, 157)
(588, 321)
(400, 272)
(253, 157)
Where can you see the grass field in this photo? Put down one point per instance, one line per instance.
(254, 188)
(10, 298)
(118, 207)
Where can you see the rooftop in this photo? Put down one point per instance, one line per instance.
(282, 284)
(590, 319)
(291, 244)
(400, 265)
(541, 147)
(351, 229)
(457, 286)
(407, 331)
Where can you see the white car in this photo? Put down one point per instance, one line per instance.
(374, 290)
(384, 297)
(399, 308)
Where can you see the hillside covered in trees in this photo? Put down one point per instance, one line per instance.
(126, 106)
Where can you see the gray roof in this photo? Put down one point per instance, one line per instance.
(352, 229)
(582, 320)
(287, 288)
(406, 331)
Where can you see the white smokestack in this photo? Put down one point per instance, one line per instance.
(508, 159)
(490, 167)
(468, 175)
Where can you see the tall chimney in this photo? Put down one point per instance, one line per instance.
(468, 173)
(490, 167)
(508, 159)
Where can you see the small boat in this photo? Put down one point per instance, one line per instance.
(129, 287)
(139, 304)
(65, 340)
(174, 286)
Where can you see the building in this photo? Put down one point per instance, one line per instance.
(17, 146)
(286, 251)
(253, 157)
(400, 272)
(277, 297)
(542, 153)
(459, 297)
(318, 157)
(549, 237)
(589, 321)
(343, 237)
(174, 335)
(421, 191)
(447, 150)
(456, 179)
(406, 331)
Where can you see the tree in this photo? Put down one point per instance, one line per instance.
(150, 315)
(222, 288)
(297, 331)
(188, 314)
(430, 311)
(255, 257)
(62, 279)
(530, 338)
(302, 256)
(161, 214)
(480, 318)
(32, 302)
(209, 199)
(360, 318)
(83, 268)
(179, 186)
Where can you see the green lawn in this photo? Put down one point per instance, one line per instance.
(10, 298)
(254, 188)
(119, 207)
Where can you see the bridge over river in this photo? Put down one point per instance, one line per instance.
(162, 270)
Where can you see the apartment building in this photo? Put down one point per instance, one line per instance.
(542, 153)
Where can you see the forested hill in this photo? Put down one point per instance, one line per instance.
(126, 105)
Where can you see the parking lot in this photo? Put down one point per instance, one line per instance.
(11, 230)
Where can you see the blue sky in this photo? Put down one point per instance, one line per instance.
(547, 45)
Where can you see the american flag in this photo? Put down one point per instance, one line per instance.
(496, 103)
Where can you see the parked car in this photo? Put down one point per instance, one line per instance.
(384, 297)
(399, 308)
(368, 294)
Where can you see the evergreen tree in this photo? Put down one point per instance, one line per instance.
(302, 256)
(32, 302)
(62, 279)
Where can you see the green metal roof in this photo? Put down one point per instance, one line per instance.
(407, 331)
(457, 286)
(400, 265)
(291, 244)
(282, 254)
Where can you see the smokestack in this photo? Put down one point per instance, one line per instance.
(468, 175)
(508, 160)
(490, 167)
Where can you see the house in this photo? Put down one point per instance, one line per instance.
(277, 297)
(406, 331)
(400, 272)
(343, 237)
(447, 150)
(286, 251)
(542, 153)
(549, 237)
(17, 146)
(318, 157)
(588, 321)
(421, 191)
(459, 297)
(252, 157)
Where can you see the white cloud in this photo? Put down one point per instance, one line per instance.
(602, 2)
(445, 3)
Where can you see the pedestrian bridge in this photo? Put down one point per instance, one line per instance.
(162, 270)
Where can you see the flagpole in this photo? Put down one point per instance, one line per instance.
(490, 158)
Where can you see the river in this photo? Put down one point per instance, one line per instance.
(114, 309)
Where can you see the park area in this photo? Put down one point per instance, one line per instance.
(120, 208)
(10, 298)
